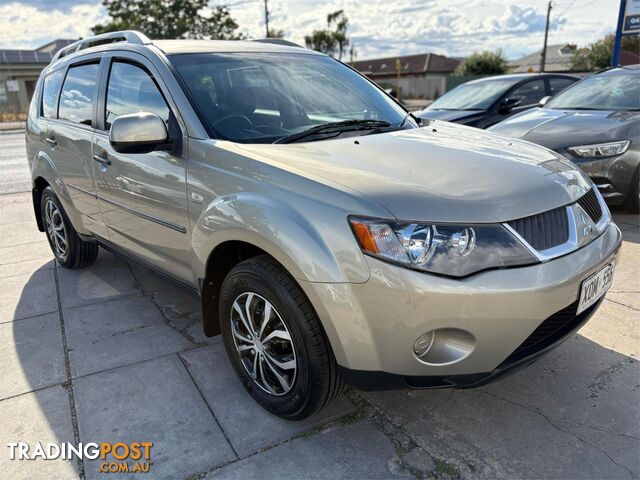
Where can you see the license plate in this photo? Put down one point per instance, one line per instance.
(596, 286)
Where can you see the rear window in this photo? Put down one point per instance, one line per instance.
(76, 100)
(50, 92)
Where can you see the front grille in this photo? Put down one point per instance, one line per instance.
(589, 202)
(550, 331)
(545, 230)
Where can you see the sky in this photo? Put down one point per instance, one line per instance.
(376, 27)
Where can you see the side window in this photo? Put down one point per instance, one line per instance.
(50, 92)
(529, 93)
(556, 85)
(76, 99)
(131, 89)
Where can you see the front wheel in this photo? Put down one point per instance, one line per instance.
(67, 246)
(632, 202)
(275, 341)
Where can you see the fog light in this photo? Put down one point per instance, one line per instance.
(423, 343)
(444, 346)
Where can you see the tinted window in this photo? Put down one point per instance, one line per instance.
(76, 101)
(261, 97)
(529, 93)
(558, 84)
(132, 90)
(50, 91)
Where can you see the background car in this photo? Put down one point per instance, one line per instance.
(596, 124)
(487, 101)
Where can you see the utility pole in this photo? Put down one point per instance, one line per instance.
(543, 57)
(398, 70)
(266, 17)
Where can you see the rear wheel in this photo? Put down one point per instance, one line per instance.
(275, 341)
(67, 246)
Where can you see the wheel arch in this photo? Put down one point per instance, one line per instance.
(39, 184)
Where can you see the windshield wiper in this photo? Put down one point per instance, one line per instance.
(335, 127)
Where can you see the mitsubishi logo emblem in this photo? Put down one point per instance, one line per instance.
(587, 226)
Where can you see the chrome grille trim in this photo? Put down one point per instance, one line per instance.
(582, 230)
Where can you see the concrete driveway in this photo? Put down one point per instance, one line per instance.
(113, 352)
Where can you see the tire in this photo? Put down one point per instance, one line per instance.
(316, 382)
(632, 202)
(69, 249)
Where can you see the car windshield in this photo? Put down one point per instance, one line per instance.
(601, 92)
(267, 97)
(472, 96)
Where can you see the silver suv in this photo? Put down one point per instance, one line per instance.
(330, 236)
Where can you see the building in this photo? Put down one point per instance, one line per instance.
(418, 76)
(559, 60)
(19, 71)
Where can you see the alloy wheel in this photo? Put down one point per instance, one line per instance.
(263, 343)
(56, 229)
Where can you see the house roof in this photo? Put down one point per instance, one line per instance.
(409, 64)
(628, 58)
(55, 45)
(558, 59)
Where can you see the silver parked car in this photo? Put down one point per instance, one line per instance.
(329, 235)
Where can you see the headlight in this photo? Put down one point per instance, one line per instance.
(452, 250)
(600, 150)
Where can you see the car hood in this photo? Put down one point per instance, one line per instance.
(556, 128)
(448, 115)
(442, 173)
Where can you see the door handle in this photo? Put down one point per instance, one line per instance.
(102, 160)
(51, 141)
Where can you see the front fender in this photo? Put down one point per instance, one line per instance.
(322, 250)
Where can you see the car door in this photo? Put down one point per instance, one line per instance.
(69, 131)
(529, 93)
(143, 196)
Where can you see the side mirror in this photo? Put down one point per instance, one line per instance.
(509, 104)
(139, 133)
(543, 101)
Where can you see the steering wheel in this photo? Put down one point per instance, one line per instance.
(238, 116)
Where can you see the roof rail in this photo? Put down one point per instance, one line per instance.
(277, 41)
(129, 36)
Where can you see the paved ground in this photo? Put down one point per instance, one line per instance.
(113, 352)
(14, 176)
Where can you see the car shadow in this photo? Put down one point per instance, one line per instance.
(588, 381)
(629, 224)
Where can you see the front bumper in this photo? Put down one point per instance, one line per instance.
(372, 326)
(366, 380)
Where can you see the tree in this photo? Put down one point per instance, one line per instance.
(275, 33)
(594, 57)
(483, 63)
(598, 55)
(170, 19)
(331, 41)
